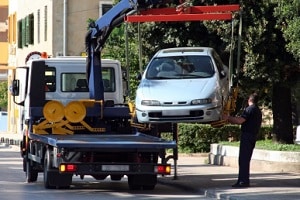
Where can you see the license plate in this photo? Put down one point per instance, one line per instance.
(115, 168)
(175, 112)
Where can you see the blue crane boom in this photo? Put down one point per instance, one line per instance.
(95, 40)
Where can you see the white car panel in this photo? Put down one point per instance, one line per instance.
(174, 79)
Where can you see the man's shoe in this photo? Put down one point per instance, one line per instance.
(241, 185)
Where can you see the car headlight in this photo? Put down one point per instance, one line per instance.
(150, 103)
(201, 101)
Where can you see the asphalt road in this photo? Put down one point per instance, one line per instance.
(14, 187)
(196, 180)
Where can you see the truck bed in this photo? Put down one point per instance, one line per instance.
(106, 142)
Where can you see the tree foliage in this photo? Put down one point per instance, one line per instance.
(3, 95)
(126, 51)
(288, 21)
(269, 53)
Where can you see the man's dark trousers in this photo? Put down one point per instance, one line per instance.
(247, 144)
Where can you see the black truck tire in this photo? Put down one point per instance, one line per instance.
(52, 178)
(145, 182)
(31, 174)
(47, 167)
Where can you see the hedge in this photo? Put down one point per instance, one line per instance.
(196, 138)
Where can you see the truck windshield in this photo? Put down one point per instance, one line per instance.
(178, 67)
(76, 82)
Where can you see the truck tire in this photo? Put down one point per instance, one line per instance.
(31, 174)
(52, 178)
(145, 182)
(47, 168)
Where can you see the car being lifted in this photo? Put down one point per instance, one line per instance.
(183, 84)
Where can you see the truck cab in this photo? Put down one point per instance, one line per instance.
(65, 79)
(61, 79)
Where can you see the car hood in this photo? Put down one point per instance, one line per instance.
(177, 90)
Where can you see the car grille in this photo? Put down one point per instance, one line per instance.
(171, 103)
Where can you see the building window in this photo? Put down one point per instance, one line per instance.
(26, 30)
(23, 31)
(104, 6)
(31, 29)
(46, 23)
(20, 34)
(38, 26)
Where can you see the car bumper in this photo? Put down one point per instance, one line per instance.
(158, 114)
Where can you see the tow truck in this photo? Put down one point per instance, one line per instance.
(69, 132)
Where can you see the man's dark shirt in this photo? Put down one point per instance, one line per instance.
(253, 117)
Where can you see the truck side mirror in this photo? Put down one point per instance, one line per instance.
(15, 87)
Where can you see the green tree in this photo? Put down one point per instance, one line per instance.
(288, 21)
(270, 47)
(126, 51)
(3, 95)
(266, 64)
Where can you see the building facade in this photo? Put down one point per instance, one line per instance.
(57, 27)
(3, 39)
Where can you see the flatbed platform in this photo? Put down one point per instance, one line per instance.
(106, 141)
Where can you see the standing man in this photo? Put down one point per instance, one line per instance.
(250, 121)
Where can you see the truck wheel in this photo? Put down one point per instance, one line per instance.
(47, 166)
(31, 174)
(52, 178)
(146, 182)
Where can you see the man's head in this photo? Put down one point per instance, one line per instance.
(253, 98)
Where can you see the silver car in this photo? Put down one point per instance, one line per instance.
(185, 84)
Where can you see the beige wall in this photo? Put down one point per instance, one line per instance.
(78, 13)
(3, 2)
(24, 8)
(4, 53)
(3, 32)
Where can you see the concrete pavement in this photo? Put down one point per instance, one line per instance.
(195, 175)
(215, 181)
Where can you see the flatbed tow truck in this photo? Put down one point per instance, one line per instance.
(70, 132)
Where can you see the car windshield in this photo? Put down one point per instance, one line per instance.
(180, 67)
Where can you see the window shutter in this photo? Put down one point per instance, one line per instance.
(20, 35)
(31, 29)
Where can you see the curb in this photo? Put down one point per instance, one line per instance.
(262, 160)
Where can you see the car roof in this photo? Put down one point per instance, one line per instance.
(177, 51)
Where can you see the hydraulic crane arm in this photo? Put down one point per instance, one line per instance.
(95, 40)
